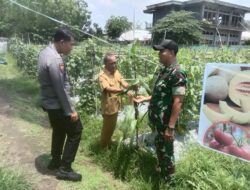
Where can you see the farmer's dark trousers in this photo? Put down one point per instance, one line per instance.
(63, 127)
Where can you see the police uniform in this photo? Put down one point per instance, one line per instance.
(55, 98)
(171, 81)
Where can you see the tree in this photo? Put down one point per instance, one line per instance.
(179, 26)
(95, 30)
(35, 27)
(5, 15)
(98, 30)
(115, 26)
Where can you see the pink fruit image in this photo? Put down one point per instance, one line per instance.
(214, 144)
(223, 138)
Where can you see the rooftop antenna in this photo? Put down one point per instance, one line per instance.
(218, 22)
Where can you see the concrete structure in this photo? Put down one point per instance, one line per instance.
(3, 45)
(245, 36)
(224, 20)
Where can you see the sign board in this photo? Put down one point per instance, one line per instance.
(3, 47)
(224, 124)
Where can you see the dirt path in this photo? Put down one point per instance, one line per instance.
(25, 151)
(20, 152)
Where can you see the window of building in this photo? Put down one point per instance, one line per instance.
(209, 16)
(209, 42)
(236, 21)
(234, 35)
(223, 34)
(233, 43)
(210, 33)
(224, 19)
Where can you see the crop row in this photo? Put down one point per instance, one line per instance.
(134, 61)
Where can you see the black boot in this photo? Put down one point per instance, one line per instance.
(66, 173)
(54, 164)
(170, 177)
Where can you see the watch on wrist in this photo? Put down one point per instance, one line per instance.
(171, 128)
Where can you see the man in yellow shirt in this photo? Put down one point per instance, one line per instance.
(112, 83)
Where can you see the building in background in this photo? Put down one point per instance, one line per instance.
(224, 20)
(245, 37)
(3, 45)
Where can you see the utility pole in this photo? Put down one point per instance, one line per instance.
(134, 26)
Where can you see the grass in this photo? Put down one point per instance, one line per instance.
(198, 168)
(129, 164)
(205, 169)
(13, 180)
(22, 92)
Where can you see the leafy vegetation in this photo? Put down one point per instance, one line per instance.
(134, 62)
(31, 27)
(116, 25)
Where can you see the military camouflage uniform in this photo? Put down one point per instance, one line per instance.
(171, 81)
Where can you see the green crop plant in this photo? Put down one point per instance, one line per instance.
(135, 62)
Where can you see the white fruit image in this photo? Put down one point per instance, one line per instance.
(216, 89)
(239, 87)
(236, 116)
(228, 74)
(245, 104)
(214, 116)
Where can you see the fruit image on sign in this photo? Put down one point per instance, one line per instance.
(224, 123)
(229, 138)
(233, 101)
(215, 116)
(216, 89)
(236, 116)
(239, 87)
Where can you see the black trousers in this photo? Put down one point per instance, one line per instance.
(63, 127)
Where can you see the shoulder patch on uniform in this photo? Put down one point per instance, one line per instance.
(61, 67)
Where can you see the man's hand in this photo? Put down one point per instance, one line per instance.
(130, 93)
(169, 134)
(74, 117)
(141, 99)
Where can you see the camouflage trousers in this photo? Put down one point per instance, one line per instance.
(165, 155)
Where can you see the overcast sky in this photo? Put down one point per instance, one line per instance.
(132, 9)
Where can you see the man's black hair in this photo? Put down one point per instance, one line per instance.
(63, 34)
